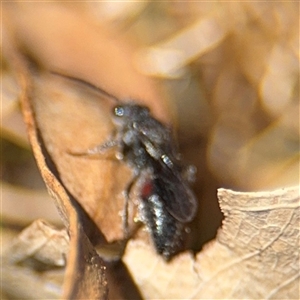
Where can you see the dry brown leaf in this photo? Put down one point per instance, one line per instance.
(36, 258)
(40, 242)
(85, 274)
(255, 254)
(71, 120)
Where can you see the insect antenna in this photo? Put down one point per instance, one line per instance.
(88, 84)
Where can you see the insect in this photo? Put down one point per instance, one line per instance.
(166, 201)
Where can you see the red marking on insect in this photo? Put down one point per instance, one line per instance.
(147, 189)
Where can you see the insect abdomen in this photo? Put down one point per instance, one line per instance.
(168, 234)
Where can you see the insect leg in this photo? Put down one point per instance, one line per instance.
(98, 150)
(126, 206)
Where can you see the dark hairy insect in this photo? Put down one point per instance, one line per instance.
(166, 201)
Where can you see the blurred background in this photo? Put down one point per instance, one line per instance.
(228, 71)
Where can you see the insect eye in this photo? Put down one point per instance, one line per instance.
(119, 111)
